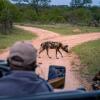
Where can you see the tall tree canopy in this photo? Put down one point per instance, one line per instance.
(7, 11)
(36, 4)
(80, 3)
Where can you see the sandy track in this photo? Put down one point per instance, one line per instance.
(71, 81)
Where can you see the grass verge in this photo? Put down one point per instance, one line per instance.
(15, 35)
(89, 54)
(67, 29)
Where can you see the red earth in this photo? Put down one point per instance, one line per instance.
(71, 81)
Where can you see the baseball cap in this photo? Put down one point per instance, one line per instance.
(25, 51)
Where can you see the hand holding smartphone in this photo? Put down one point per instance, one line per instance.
(56, 76)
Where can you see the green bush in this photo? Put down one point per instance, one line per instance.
(79, 15)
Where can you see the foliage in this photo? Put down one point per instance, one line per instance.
(7, 15)
(80, 3)
(77, 16)
(39, 11)
(37, 4)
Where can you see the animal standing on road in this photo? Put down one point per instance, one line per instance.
(53, 45)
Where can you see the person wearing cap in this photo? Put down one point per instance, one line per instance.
(22, 80)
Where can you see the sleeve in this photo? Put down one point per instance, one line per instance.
(45, 86)
(50, 88)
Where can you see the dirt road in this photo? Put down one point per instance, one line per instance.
(71, 81)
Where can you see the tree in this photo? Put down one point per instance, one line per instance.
(80, 3)
(76, 3)
(6, 15)
(87, 2)
(79, 16)
(36, 4)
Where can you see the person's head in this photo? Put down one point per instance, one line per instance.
(22, 56)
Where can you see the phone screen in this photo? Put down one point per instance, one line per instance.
(56, 76)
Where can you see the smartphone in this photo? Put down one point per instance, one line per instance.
(56, 76)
